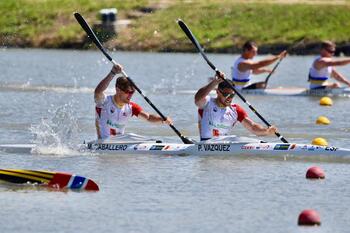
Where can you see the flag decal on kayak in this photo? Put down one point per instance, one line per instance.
(281, 147)
(156, 147)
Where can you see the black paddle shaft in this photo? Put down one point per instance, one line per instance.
(94, 38)
(279, 61)
(201, 51)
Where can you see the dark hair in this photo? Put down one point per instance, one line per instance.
(326, 44)
(249, 45)
(225, 84)
(123, 83)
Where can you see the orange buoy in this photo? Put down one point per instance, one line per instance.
(309, 217)
(315, 173)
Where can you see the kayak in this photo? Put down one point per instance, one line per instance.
(299, 91)
(226, 145)
(283, 91)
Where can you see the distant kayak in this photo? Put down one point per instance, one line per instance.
(285, 91)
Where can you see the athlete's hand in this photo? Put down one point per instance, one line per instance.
(117, 69)
(219, 77)
(168, 121)
(271, 130)
(283, 54)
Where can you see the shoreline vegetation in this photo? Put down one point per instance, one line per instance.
(221, 26)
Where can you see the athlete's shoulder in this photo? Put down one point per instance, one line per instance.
(240, 112)
(136, 109)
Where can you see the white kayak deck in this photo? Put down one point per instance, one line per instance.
(226, 145)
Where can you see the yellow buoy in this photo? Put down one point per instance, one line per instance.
(326, 101)
(322, 120)
(319, 142)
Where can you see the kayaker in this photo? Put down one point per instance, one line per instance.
(244, 66)
(322, 68)
(218, 115)
(114, 111)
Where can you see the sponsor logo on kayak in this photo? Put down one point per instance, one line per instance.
(156, 147)
(332, 148)
(262, 147)
(244, 147)
(281, 147)
(213, 147)
(111, 147)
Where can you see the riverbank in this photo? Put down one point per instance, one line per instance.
(221, 26)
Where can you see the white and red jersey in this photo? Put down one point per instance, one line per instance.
(215, 121)
(111, 119)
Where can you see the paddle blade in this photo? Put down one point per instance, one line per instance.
(91, 34)
(57, 180)
(187, 140)
(190, 36)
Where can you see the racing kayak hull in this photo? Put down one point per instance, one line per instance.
(217, 148)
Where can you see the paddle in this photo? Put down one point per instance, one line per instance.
(201, 51)
(57, 180)
(94, 38)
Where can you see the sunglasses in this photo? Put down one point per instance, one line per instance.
(128, 92)
(227, 95)
(330, 50)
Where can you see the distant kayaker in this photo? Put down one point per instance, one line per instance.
(114, 111)
(244, 67)
(218, 115)
(322, 68)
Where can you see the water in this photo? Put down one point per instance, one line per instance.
(46, 97)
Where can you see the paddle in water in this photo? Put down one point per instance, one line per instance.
(94, 38)
(201, 51)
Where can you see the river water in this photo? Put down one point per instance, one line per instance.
(46, 97)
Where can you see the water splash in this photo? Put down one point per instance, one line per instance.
(59, 134)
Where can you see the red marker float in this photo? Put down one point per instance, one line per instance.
(315, 173)
(57, 180)
(309, 217)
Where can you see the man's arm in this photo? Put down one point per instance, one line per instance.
(261, 70)
(325, 62)
(199, 98)
(154, 118)
(258, 129)
(250, 65)
(102, 86)
(338, 76)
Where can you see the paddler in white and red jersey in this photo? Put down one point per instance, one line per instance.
(218, 115)
(114, 111)
(322, 68)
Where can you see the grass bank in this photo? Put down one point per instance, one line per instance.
(221, 26)
(50, 23)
